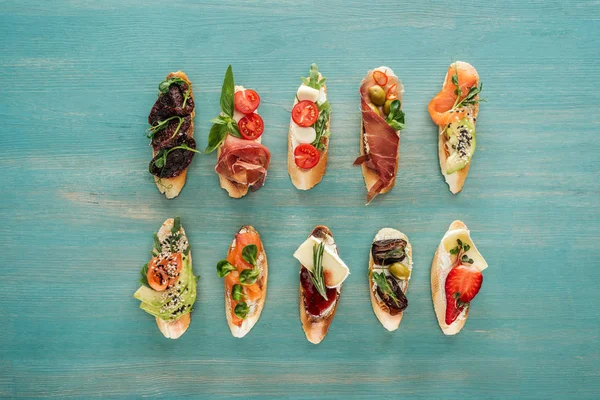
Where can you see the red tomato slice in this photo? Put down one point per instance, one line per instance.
(380, 77)
(246, 101)
(306, 156)
(305, 113)
(392, 92)
(251, 126)
(163, 273)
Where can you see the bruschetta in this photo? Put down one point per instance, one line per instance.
(308, 137)
(168, 290)
(322, 273)
(382, 120)
(455, 277)
(245, 272)
(236, 134)
(172, 133)
(454, 110)
(390, 268)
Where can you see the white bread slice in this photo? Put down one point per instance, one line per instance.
(457, 179)
(171, 187)
(439, 272)
(253, 316)
(173, 329)
(315, 328)
(305, 179)
(371, 177)
(389, 322)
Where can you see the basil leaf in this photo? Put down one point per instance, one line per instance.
(144, 275)
(176, 225)
(249, 254)
(224, 268)
(220, 120)
(241, 310)
(395, 118)
(215, 137)
(249, 276)
(227, 93)
(237, 292)
(233, 129)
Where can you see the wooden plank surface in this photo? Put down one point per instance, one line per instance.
(79, 207)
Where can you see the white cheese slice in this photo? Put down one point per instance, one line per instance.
(450, 240)
(307, 93)
(303, 134)
(335, 270)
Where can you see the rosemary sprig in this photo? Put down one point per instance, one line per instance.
(381, 281)
(316, 274)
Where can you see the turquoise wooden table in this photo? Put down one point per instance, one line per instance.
(78, 206)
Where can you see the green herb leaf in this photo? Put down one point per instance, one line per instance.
(217, 134)
(249, 276)
(454, 251)
(176, 225)
(316, 274)
(455, 79)
(164, 86)
(233, 129)
(224, 268)
(162, 155)
(227, 93)
(466, 247)
(237, 292)
(321, 125)
(187, 249)
(465, 258)
(381, 281)
(249, 254)
(160, 125)
(313, 80)
(144, 275)
(395, 118)
(157, 244)
(220, 120)
(241, 310)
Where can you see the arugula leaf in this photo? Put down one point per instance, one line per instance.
(321, 125)
(224, 268)
(144, 275)
(313, 80)
(249, 276)
(237, 292)
(395, 118)
(217, 134)
(241, 310)
(227, 93)
(249, 254)
(316, 274)
(176, 225)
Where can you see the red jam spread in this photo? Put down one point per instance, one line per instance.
(314, 302)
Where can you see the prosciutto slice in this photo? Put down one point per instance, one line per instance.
(244, 162)
(381, 141)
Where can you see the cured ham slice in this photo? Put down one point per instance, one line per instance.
(380, 140)
(244, 162)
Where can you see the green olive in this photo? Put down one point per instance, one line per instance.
(376, 109)
(399, 270)
(386, 106)
(377, 95)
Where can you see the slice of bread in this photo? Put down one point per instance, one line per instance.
(389, 322)
(173, 329)
(256, 309)
(305, 179)
(316, 327)
(171, 187)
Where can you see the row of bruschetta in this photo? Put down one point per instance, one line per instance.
(168, 289)
(243, 161)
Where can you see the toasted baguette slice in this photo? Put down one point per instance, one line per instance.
(457, 179)
(315, 327)
(305, 179)
(440, 267)
(255, 309)
(173, 329)
(171, 187)
(389, 322)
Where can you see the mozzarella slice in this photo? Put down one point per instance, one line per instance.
(302, 134)
(307, 93)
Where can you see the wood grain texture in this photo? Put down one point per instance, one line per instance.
(79, 207)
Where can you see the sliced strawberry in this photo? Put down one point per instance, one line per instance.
(462, 285)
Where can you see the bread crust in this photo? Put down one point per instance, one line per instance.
(173, 329)
(438, 292)
(171, 187)
(305, 179)
(456, 180)
(389, 322)
(251, 319)
(316, 328)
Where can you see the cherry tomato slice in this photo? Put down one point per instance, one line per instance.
(164, 272)
(306, 156)
(392, 93)
(305, 113)
(251, 126)
(246, 101)
(380, 77)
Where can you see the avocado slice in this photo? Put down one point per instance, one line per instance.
(173, 303)
(460, 142)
